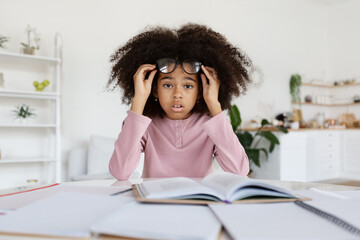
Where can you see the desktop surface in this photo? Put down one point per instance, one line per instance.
(84, 186)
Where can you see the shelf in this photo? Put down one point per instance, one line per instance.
(17, 125)
(329, 105)
(329, 86)
(28, 94)
(31, 57)
(23, 69)
(27, 160)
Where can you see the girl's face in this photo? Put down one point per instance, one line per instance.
(177, 93)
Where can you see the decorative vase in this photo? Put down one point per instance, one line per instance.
(24, 120)
(30, 51)
(2, 81)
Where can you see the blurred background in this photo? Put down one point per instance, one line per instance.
(317, 39)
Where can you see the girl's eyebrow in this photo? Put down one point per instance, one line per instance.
(171, 78)
(189, 78)
(166, 77)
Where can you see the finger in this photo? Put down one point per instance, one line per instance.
(213, 72)
(145, 67)
(152, 75)
(208, 74)
(210, 69)
(203, 80)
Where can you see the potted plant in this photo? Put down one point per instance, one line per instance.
(295, 84)
(23, 112)
(3, 40)
(32, 42)
(250, 142)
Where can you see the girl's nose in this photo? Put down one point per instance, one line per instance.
(177, 93)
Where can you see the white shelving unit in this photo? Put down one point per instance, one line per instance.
(332, 100)
(38, 147)
(330, 92)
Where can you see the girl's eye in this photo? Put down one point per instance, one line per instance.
(188, 86)
(167, 85)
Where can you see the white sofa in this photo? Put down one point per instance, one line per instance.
(92, 163)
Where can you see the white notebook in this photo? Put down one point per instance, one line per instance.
(287, 220)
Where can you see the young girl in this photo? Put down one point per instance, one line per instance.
(178, 82)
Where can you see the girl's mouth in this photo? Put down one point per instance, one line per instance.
(177, 108)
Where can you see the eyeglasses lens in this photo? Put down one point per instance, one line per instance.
(166, 65)
(191, 67)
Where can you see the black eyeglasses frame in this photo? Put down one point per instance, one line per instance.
(197, 65)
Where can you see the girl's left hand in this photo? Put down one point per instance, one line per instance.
(211, 89)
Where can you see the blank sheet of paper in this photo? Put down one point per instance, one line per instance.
(62, 214)
(161, 221)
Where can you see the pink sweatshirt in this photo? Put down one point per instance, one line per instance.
(177, 147)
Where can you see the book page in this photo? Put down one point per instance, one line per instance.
(176, 188)
(161, 221)
(223, 182)
(236, 187)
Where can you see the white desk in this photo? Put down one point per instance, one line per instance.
(113, 182)
(292, 185)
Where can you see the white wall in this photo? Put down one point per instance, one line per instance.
(344, 40)
(281, 36)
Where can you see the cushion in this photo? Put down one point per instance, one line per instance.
(99, 154)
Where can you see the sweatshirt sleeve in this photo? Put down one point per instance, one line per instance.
(229, 152)
(128, 146)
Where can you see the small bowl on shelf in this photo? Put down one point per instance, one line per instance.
(356, 98)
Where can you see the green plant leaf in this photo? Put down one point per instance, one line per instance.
(270, 136)
(23, 111)
(271, 147)
(235, 117)
(264, 122)
(265, 152)
(245, 138)
(295, 83)
(253, 155)
(282, 129)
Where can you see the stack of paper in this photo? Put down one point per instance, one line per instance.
(72, 214)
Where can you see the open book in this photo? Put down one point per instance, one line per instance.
(216, 187)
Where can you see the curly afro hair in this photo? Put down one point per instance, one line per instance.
(190, 41)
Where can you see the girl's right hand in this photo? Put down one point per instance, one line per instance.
(142, 86)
